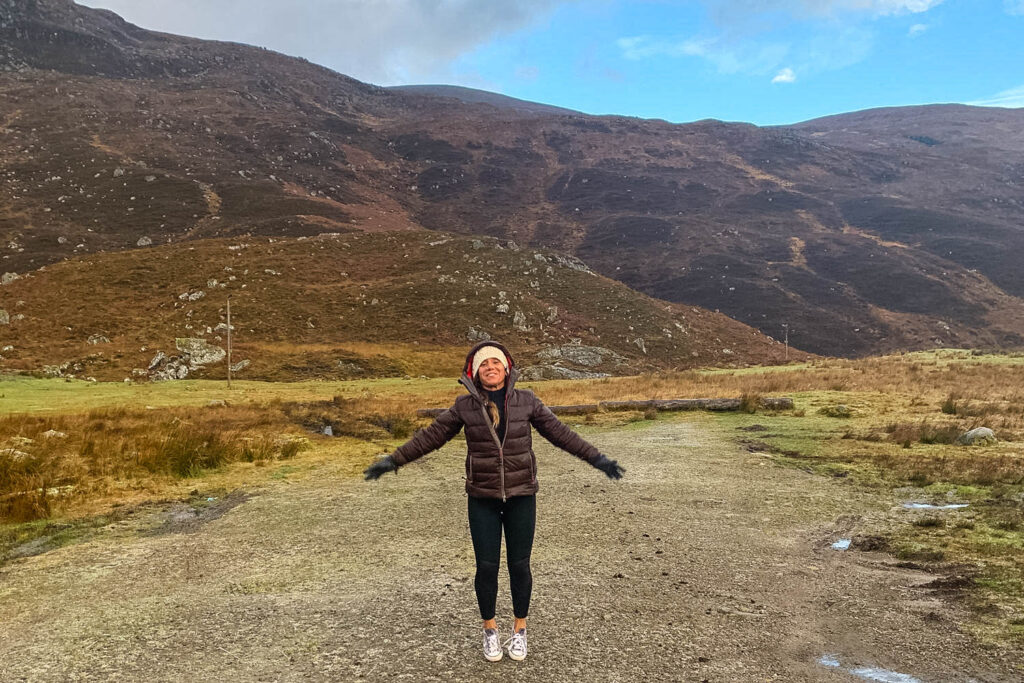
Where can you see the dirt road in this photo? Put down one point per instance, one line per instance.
(705, 563)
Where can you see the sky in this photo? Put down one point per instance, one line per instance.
(766, 62)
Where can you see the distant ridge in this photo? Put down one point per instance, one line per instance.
(474, 96)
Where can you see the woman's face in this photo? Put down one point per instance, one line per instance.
(492, 374)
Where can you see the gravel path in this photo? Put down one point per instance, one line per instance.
(705, 563)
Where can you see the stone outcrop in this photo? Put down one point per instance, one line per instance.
(980, 436)
(195, 354)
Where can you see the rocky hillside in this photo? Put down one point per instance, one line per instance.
(861, 233)
(350, 305)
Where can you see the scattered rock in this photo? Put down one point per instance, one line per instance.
(571, 262)
(8, 278)
(839, 410)
(118, 172)
(199, 351)
(217, 403)
(350, 368)
(477, 335)
(5, 318)
(519, 321)
(144, 241)
(13, 453)
(980, 436)
(98, 339)
(501, 308)
(195, 353)
(240, 365)
(168, 368)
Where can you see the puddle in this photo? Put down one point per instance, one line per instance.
(929, 506)
(868, 673)
(841, 544)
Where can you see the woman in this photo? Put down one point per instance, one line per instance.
(501, 477)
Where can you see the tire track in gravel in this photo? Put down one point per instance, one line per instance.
(705, 563)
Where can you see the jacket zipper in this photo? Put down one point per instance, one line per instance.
(501, 455)
(501, 447)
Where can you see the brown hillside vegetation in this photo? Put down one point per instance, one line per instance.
(350, 305)
(908, 220)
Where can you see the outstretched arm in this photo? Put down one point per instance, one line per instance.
(559, 434)
(441, 431)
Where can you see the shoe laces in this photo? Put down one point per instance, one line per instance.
(491, 638)
(517, 641)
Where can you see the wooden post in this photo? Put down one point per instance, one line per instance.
(785, 326)
(229, 341)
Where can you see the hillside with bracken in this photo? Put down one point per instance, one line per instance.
(351, 305)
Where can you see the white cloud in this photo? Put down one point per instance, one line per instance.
(642, 47)
(381, 41)
(1014, 6)
(727, 57)
(917, 29)
(785, 76)
(730, 10)
(1013, 98)
(834, 49)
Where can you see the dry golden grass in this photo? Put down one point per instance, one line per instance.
(56, 462)
(897, 401)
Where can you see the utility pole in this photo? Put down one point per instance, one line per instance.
(785, 329)
(229, 341)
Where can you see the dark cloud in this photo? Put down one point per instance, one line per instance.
(381, 41)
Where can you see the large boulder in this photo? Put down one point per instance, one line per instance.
(200, 351)
(578, 354)
(195, 353)
(980, 436)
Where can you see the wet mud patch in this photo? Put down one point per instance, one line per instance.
(30, 539)
(754, 446)
(191, 516)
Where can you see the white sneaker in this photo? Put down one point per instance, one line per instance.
(492, 645)
(517, 645)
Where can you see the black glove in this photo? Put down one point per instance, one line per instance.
(379, 467)
(609, 467)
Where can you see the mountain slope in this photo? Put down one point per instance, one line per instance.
(861, 233)
(472, 95)
(354, 305)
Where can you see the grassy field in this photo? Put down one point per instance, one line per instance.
(74, 454)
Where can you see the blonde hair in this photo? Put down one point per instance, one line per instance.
(492, 409)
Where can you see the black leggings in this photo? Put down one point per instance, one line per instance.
(518, 516)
